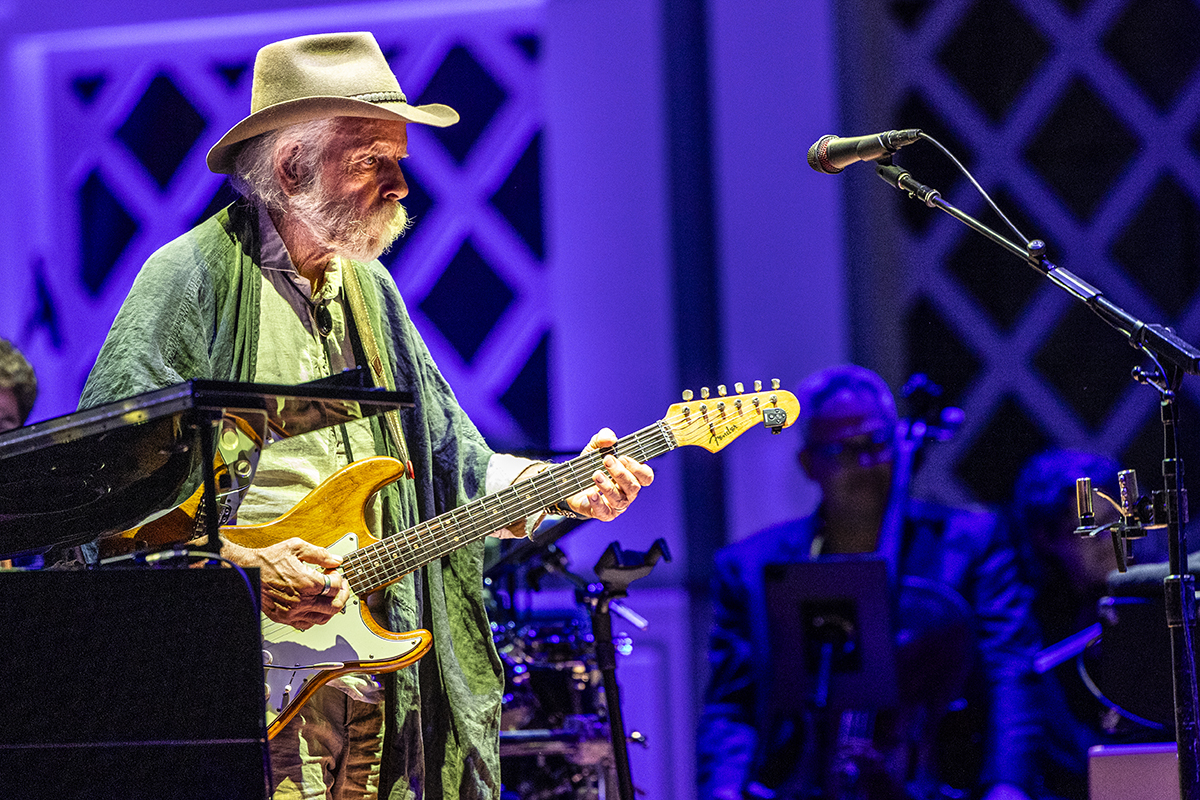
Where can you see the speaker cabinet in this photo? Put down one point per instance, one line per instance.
(139, 683)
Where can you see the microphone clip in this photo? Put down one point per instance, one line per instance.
(1137, 514)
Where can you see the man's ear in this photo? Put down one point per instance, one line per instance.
(287, 168)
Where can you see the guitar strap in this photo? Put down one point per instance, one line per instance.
(366, 337)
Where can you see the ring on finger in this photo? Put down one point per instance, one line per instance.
(328, 585)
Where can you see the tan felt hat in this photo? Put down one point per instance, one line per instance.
(321, 76)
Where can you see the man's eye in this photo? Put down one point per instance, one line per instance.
(370, 161)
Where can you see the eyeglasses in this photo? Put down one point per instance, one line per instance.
(865, 449)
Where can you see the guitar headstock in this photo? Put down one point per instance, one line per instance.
(712, 422)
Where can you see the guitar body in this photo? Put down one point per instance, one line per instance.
(297, 662)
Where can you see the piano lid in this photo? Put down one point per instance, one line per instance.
(106, 469)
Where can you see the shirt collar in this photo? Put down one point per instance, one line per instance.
(273, 257)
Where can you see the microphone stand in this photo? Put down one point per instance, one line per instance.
(1180, 358)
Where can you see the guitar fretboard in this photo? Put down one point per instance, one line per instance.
(390, 559)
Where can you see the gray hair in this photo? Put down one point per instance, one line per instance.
(17, 374)
(253, 175)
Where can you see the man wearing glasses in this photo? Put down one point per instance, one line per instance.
(957, 610)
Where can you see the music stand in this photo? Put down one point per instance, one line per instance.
(829, 624)
(107, 469)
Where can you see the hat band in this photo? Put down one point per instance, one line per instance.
(380, 97)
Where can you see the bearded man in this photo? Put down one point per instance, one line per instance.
(266, 291)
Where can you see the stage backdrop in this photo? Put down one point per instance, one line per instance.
(1082, 120)
(121, 120)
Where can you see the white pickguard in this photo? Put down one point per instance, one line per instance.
(292, 657)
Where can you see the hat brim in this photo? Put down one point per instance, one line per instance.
(223, 154)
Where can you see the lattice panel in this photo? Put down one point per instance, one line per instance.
(1083, 121)
(125, 118)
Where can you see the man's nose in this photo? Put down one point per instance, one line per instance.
(394, 186)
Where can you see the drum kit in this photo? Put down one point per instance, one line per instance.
(555, 727)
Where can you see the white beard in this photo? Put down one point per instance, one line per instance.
(333, 226)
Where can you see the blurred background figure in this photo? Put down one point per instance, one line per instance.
(18, 391)
(1069, 574)
(958, 606)
(18, 387)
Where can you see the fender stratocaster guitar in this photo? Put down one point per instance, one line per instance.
(331, 516)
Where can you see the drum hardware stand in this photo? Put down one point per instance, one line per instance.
(616, 569)
(551, 560)
(1173, 358)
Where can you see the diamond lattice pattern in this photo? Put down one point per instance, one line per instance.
(1083, 121)
(126, 123)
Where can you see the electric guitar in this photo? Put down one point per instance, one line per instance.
(331, 516)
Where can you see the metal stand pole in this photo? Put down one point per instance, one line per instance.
(1169, 352)
(616, 570)
(1179, 594)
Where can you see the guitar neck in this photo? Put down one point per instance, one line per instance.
(390, 559)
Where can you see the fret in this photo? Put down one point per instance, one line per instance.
(386, 561)
(392, 558)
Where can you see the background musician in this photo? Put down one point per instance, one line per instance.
(745, 747)
(18, 387)
(1069, 574)
(18, 391)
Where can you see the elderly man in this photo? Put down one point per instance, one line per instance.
(955, 580)
(284, 287)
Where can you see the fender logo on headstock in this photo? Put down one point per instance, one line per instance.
(716, 437)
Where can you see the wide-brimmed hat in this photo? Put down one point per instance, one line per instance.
(321, 76)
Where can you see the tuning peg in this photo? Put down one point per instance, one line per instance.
(687, 395)
(758, 386)
(737, 387)
(703, 392)
(721, 389)
(774, 383)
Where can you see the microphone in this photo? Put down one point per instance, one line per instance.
(832, 154)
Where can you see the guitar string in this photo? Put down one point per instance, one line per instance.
(371, 563)
(460, 519)
(379, 571)
(546, 486)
